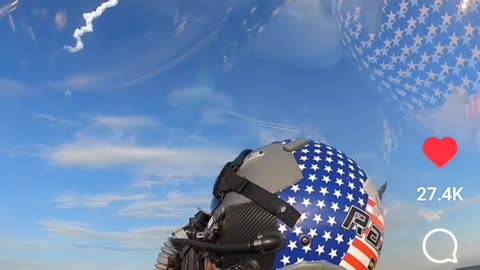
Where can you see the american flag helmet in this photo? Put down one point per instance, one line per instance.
(422, 54)
(315, 196)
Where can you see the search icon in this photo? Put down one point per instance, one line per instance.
(453, 259)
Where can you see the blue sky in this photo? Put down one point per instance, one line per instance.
(103, 151)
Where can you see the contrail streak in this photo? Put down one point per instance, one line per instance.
(7, 9)
(88, 28)
(265, 124)
(12, 23)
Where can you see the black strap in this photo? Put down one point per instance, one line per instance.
(232, 182)
(230, 166)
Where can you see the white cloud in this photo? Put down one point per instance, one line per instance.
(121, 127)
(198, 161)
(143, 238)
(71, 200)
(430, 215)
(110, 141)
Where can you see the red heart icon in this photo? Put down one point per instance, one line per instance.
(440, 152)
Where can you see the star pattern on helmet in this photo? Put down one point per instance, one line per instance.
(332, 183)
(423, 51)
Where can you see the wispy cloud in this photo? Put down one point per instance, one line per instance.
(78, 82)
(102, 155)
(173, 205)
(110, 141)
(33, 36)
(430, 215)
(390, 140)
(101, 126)
(216, 109)
(9, 87)
(272, 131)
(20, 151)
(54, 121)
(123, 127)
(11, 22)
(402, 213)
(26, 244)
(144, 206)
(71, 200)
(14, 265)
(101, 247)
(261, 123)
(168, 179)
(124, 122)
(451, 119)
(143, 238)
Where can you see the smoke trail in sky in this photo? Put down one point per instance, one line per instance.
(8, 8)
(88, 27)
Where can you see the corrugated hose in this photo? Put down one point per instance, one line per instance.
(168, 252)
